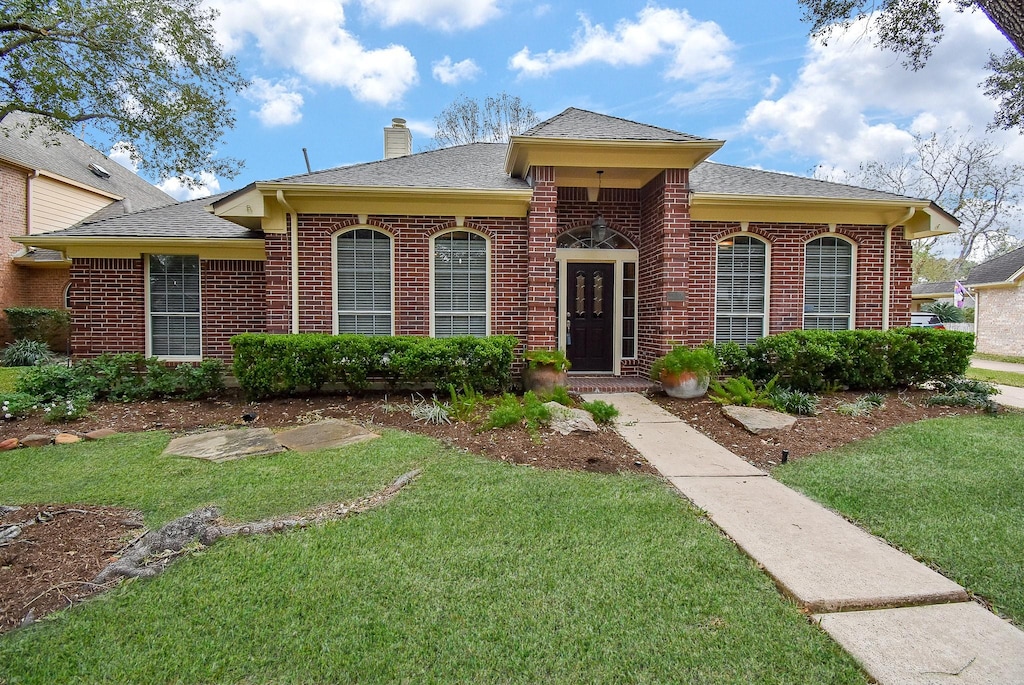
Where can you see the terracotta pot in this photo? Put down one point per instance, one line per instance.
(684, 384)
(543, 379)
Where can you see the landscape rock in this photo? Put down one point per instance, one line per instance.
(322, 435)
(66, 439)
(757, 421)
(9, 444)
(100, 433)
(36, 440)
(225, 445)
(565, 420)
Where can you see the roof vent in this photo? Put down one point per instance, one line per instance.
(397, 139)
(99, 171)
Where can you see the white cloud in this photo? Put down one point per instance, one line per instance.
(451, 74)
(208, 185)
(773, 85)
(443, 14)
(124, 154)
(310, 39)
(695, 49)
(280, 104)
(853, 102)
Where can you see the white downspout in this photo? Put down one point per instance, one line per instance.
(294, 220)
(887, 263)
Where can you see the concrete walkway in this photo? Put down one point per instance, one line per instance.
(1009, 396)
(902, 621)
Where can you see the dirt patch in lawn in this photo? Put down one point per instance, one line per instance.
(50, 564)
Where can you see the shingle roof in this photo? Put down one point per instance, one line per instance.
(936, 288)
(181, 220)
(69, 157)
(477, 166)
(998, 269)
(711, 177)
(581, 124)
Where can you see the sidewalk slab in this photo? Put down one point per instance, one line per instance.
(825, 562)
(997, 366)
(670, 444)
(931, 645)
(1010, 396)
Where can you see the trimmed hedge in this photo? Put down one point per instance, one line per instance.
(268, 365)
(858, 360)
(50, 326)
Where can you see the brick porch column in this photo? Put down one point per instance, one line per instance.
(277, 275)
(542, 295)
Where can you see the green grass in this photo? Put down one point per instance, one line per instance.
(1001, 377)
(999, 358)
(947, 490)
(9, 376)
(477, 572)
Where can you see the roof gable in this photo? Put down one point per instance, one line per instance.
(580, 124)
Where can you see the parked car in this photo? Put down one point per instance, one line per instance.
(925, 320)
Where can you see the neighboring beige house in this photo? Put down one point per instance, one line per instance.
(50, 182)
(998, 285)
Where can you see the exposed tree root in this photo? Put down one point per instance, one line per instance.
(153, 552)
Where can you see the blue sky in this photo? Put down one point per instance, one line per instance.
(329, 75)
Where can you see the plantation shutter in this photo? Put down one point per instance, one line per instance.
(364, 282)
(828, 284)
(175, 319)
(740, 290)
(460, 284)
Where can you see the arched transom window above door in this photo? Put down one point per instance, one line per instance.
(586, 238)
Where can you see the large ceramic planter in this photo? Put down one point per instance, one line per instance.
(543, 378)
(684, 384)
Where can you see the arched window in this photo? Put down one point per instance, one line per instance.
(828, 284)
(363, 282)
(741, 289)
(584, 237)
(460, 284)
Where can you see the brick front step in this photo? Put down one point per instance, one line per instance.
(598, 384)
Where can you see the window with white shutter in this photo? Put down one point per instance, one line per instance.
(175, 319)
(363, 282)
(741, 289)
(828, 284)
(460, 284)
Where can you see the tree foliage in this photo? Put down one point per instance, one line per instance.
(496, 120)
(913, 28)
(147, 72)
(966, 177)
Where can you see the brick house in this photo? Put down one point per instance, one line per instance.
(50, 182)
(607, 238)
(998, 286)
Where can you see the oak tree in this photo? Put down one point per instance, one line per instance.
(149, 73)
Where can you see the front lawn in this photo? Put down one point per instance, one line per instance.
(949, 491)
(477, 572)
(9, 375)
(992, 376)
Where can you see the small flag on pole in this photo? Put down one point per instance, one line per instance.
(959, 293)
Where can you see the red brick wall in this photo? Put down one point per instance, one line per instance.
(108, 305)
(13, 221)
(542, 269)
(786, 285)
(412, 236)
(233, 300)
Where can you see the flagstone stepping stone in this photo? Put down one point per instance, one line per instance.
(324, 435)
(225, 445)
(756, 420)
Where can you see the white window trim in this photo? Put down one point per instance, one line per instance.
(565, 256)
(149, 319)
(487, 278)
(767, 282)
(334, 271)
(853, 278)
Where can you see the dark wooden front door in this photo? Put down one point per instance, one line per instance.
(590, 293)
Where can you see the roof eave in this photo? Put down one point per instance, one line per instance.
(525, 152)
(133, 247)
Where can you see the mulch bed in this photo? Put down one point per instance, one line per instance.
(48, 567)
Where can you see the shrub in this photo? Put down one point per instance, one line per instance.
(601, 411)
(67, 409)
(680, 359)
(859, 360)
(946, 311)
(49, 382)
(794, 402)
(15, 405)
(561, 395)
(741, 391)
(507, 412)
(733, 357)
(268, 365)
(863, 406)
(26, 352)
(40, 324)
(964, 392)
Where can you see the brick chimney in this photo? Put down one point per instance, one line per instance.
(397, 139)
